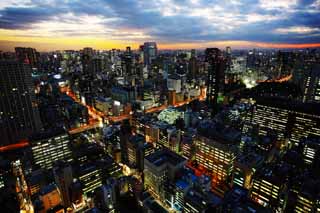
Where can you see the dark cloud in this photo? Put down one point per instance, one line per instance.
(21, 18)
(176, 20)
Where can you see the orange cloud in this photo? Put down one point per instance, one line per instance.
(7, 43)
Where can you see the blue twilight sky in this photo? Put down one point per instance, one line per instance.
(165, 21)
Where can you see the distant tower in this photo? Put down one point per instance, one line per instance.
(141, 55)
(193, 64)
(150, 52)
(228, 50)
(87, 54)
(19, 115)
(127, 62)
(228, 59)
(216, 67)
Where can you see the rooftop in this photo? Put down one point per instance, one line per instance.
(47, 189)
(163, 156)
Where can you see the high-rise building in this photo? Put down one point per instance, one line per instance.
(311, 84)
(106, 197)
(284, 63)
(193, 64)
(19, 115)
(88, 51)
(286, 119)
(268, 186)
(27, 55)
(86, 60)
(63, 177)
(127, 62)
(216, 71)
(304, 124)
(135, 151)
(228, 59)
(244, 168)
(49, 147)
(311, 149)
(149, 52)
(92, 174)
(216, 156)
(159, 168)
(307, 198)
(271, 118)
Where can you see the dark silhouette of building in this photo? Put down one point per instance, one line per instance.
(19, 115)
(193, 65)
(27, 55)
(216, 68)
(127, 62)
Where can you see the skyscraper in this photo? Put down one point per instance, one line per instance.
(86, 60)
(63, 177)
(19, 115)
(193, 64)
(149, 52)
(311, 84)
(228, 59)
(127, 62)
(216, 67)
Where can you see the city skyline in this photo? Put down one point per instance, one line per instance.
(173, 106)
(53, 25)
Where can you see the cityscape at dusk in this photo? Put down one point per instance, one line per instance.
(151, 106)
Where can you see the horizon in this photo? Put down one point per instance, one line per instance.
(161, 47)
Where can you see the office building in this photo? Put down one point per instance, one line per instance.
(286, 119)
(19, 115)
(124, 94)
(150, 52)
(49, 147)
(63, 177)
(135, 151)
(161, 167)
(237, 200)
(268, 186)
(36, 180)
(197, 202)
(216, 156)
(90, 177)
(106, 197)
(93, 173)
(311, 149)
(174, 83)
(244, 168)
(181, 189)
(270, 119)
(304, 123)
(307, 199)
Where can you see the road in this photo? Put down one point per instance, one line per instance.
(98, 117)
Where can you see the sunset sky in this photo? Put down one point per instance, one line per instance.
(173, 24)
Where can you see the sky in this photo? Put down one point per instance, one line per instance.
(173, 24)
